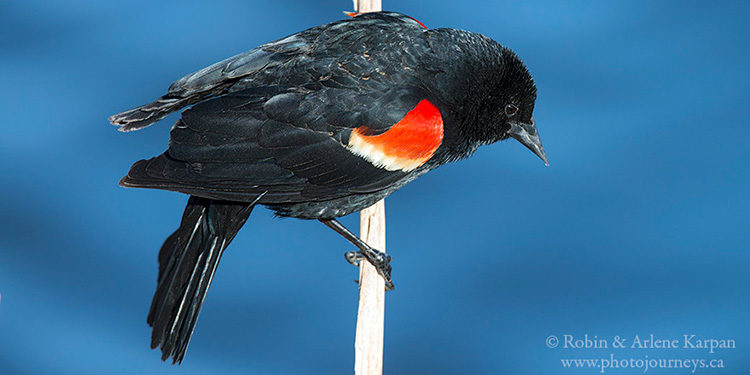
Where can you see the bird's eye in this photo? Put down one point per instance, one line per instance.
(510, 110)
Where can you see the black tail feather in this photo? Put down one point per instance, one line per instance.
(187, 263)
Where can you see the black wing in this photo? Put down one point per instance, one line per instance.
(241, 145)
(282, 131)
(314, 50)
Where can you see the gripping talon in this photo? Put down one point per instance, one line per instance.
(380, 260)
(353, 257)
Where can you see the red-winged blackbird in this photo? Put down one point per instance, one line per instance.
(318, 125)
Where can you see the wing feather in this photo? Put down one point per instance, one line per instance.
(283, 113)
(305, 51)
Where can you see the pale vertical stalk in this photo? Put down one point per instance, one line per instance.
(368, 341)
(364, 6)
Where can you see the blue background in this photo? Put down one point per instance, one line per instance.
(639, 225)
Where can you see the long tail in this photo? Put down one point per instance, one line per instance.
(187, 263)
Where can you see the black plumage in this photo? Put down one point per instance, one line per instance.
(273, 126)
(187, 263)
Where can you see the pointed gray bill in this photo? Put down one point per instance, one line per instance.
(529, 137)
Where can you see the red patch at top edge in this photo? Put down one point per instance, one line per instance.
(417, 21)
(355, 14)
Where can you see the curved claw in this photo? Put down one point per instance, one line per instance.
(379, 260)
(353, 257)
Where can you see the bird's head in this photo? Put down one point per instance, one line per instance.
(507, 108)
(514, 105)
(490, 90)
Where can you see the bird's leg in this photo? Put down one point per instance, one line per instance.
(380, 260)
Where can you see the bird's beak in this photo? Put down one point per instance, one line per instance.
(529, 137)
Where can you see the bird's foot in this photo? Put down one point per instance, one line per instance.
(380, 260)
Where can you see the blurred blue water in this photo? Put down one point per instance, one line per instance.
(639, 226)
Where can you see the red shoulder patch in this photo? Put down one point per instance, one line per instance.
(407, 144)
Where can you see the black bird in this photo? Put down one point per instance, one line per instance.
(318, 125)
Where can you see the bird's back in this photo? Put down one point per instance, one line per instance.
(275, 123)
